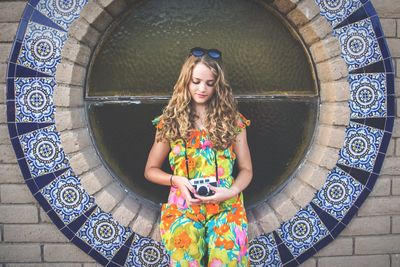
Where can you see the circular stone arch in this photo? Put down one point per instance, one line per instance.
(327, 189)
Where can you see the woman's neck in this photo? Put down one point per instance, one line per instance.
(201, 110)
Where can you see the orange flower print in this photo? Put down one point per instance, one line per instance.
(219, 242)
(228, 244)
(182, 240)
(212, 208)
(222, 229)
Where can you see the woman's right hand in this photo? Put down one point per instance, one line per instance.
(184, 186)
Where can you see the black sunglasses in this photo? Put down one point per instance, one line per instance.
(212, 53)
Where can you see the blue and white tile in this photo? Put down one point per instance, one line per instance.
(62, 12)
(41, 49)
(34, 99)
(359, 45)
(361, 146)
(263, 251)
(43, 151)
(335, 11)
(147, 252)
(67, 197)
(367, 95)
(338, 194)
(302, 231)
(103, 233)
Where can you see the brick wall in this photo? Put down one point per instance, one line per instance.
(28, 238)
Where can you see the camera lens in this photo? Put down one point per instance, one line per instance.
(203, 190)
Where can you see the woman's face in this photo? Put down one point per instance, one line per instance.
(201, 86)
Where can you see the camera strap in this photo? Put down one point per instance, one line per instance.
(187, 162)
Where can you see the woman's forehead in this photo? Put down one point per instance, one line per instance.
(202, 72)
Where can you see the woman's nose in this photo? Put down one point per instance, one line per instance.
(202, 87)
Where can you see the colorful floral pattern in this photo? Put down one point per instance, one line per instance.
(218, 230)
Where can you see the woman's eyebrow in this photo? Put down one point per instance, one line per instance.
(200, 79)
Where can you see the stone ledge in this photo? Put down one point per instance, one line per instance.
(332, 69)
(305, 11)
(283, 207)
(110, 196)
(8, 31)
(96, 179)
(331, 136)
(75, 140)
(70, 73)
(313, 174)
(335, 113)
(254, 228)
(95, 15)
(68, 118)
(300, 192)
(84, 160)
(82, 31)
(266, 217)
(5, 49)
(115, 8)
(325, 49)
(76, 52)
(284, 6)
(335, 91)
(126, 211)
(11, 11)
(68, 96)
(324, 156)
(315, 30)
(145, 221)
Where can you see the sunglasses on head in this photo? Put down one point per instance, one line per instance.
(212, 53)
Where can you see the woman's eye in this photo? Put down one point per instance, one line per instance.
(210, 84)
(195, 82)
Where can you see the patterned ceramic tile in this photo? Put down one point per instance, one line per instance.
(34, 99)
(62, 12)
(361, 146)
(338, 193)
(302, 231)
(43, 151)
(67, 197)
(147, 252)
(263, 251)
(335, 11)
(41, 49)
(103, 233)
(368, 97)
(359, 45)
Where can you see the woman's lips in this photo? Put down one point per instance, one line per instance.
(202, 96)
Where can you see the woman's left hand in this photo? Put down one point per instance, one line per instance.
(221, 194)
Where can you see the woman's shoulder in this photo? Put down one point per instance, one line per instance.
(242, 122)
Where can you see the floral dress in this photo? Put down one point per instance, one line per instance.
(206, 234)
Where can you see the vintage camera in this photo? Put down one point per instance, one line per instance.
(201, 186)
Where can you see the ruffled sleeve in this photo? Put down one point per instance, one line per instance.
(242, 123)
(157, 122)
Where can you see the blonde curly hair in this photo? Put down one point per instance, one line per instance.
(178, 116)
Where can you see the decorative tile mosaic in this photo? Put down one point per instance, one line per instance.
(103, 233)
(368, 95)
(67, 197)
(361, 146)
(41, 49)
(147, 252)
(359, 45)
(335, 11)
(43, 151)
(37, 51)
(338, 194)
(302, 231)
(62, 12)
(34, 99)
(263, 251)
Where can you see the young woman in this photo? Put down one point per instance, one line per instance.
(203, 133)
